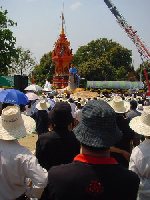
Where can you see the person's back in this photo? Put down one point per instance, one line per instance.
(17, 163)
(133, 110)
(56, 147)
(140, 157)
(82, 179)
(16, 168)
(124, 144)
(59, 146)
(93, 175)
(129, 116)
(41, 117)
(122, 149)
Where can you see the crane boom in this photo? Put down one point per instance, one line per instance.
(132, 34)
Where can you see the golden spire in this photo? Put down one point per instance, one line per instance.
(63, 22)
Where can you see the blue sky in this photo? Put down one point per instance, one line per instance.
(39, 23)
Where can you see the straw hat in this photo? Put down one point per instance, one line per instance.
(14, 125)
(43, 105)
(145, 108)
(83, 102)
(140, 108)
(119, 105)
(138, 98)
(141, 124)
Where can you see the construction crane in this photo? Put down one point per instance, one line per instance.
(132, 34)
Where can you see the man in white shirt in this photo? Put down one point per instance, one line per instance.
(73, 106)
(140, 157)
(20, 172)
(78, 113)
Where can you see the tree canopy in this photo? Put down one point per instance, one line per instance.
(7, 42)
(24, 63)
(103, 59)
(45, 70)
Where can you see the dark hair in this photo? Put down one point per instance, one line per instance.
(51, 96)
(4, 105)
(133, 104)
(71, 100)
(29, 104)
(95, 149)
(79, 105)
(60, 117)
(22, 108)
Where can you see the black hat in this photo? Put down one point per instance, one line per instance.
(98, 127)
(61, 114)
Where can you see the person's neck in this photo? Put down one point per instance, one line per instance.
(101, 153)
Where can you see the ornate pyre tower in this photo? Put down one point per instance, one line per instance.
(62, 57)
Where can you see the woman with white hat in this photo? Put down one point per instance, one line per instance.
(121, 151)
(41, 116)
(17, 163)
(140, 157)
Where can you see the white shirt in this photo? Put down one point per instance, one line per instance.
(17, 164)
(52, 102)
(77, 114)
(140, 164)
(47, 86)
(27, 110)
(73, 106)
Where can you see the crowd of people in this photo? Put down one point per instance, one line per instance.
(87, 148)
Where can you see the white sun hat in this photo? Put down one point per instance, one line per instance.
(43, 105)
(140, 108)
(119, 105)
(141, 124)
(14, 125)
(32, 96)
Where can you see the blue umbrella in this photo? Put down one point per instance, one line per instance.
(13, 96)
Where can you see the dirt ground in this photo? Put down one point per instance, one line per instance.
(29, 141)
(84, 94)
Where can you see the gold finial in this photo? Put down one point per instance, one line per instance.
(63, 21)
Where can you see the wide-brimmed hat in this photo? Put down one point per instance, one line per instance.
(32, 96)
(83, 102)
(43, 105)
(140, 108)
(14, 125)
(98, 127)
(119, 105)
(141, 124)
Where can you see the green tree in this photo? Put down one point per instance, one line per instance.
(97, 69)
(121, 73)
(7, 42)
(24, 63)
(140, 71)
(94, 49)
(44, 70)
(119, 56)
(103, 59)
